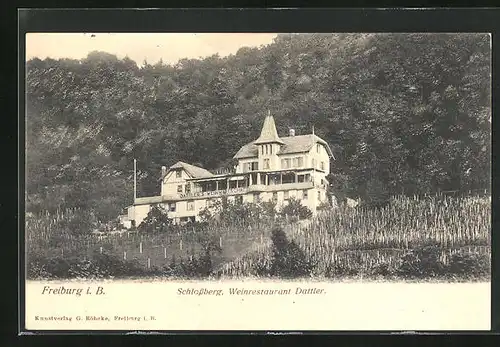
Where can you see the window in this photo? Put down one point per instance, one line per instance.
(171, 207)
(270, 149)
(267, 149)
(253, 166)
(266, 164)
(300, 178)
(286, 195)
(319, 196)
(239, 199)
(275, 197)
(300, 162)
(188, 188)
(178, 174)
(304, 195)
(179, 189)
(190, 205)
(323, 166)
(286, 164)
(318, 147)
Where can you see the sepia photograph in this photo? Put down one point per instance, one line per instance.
(270, 167)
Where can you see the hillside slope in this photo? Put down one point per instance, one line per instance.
(403, 113)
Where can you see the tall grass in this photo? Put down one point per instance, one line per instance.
(409, 237)
(451, 232)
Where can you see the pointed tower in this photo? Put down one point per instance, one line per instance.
(268, 134)
(269, 144)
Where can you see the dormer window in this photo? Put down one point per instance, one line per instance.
(318, 147)
(178, 174)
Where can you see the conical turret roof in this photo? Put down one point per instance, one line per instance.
(269, 134)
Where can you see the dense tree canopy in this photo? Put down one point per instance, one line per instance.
(402, 112)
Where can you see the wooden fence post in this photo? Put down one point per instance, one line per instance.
(100, 249)
(125, 255)
(149, 263)
(140, 247)
(165, 252)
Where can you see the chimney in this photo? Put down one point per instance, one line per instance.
(163, 170)
(292, 132)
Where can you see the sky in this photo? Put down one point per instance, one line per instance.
(170, 47)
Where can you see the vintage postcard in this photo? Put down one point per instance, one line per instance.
(258, 181)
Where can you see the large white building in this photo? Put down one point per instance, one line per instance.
(269, 168)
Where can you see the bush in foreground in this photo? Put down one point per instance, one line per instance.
(288, 260)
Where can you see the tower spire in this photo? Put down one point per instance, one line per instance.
(269, 134)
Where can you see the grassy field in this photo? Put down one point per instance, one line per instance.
(49, 237)
(410, 237)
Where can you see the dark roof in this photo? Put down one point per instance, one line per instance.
(292, 144)
(193, 171)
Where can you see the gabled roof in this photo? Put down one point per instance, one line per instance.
(193, 171)
(291, 144)
(269, 134)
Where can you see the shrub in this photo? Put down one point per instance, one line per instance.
(340, 270)
(98, 266)
(288, 259)
(242, 214)
(470, 265)
(324, 206)
(79, 223)
(294, 208)
(422, 262)
(156, 221)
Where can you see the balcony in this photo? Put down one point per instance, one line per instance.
(250, 189)
(214, 193)
(279, 187)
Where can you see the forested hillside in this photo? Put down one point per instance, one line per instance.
(402, 113)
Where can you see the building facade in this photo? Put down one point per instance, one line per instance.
(271, 168)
